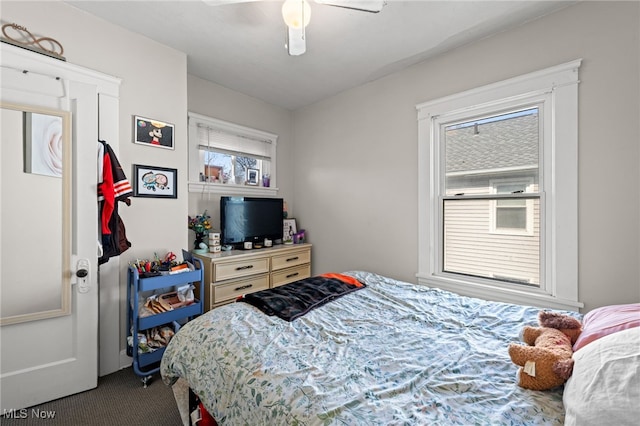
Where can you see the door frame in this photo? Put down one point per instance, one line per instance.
(37, 380)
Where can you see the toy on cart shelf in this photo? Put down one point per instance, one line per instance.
(151, 339)
(158, 303)
(153, 268)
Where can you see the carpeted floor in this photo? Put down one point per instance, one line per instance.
(119, 399)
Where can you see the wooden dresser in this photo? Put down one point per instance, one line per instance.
(228, 275)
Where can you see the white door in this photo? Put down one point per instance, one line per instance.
(48, 356)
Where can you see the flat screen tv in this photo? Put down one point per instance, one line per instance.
(250, 219)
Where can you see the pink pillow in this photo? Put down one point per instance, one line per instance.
(607, 320)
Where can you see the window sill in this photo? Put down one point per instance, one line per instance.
(506, 295)
(231, 189)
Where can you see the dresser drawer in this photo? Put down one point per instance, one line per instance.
(230, 274)
(241, 268)
(287, 276)
(230, 291)
(293, 258)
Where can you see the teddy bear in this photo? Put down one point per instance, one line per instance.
(546, 359)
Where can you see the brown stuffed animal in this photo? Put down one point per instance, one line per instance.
(546, 360)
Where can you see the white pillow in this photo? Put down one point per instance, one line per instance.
(604, 388)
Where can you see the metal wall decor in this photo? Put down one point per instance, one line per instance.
(21, 37)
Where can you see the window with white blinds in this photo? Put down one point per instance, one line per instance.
(215, 139)
(224, 155)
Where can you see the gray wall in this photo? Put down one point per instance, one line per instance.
(216, 101)
(154, 85)
(356, 165)
(350, 177)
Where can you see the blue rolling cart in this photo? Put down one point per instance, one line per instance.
(147, 364)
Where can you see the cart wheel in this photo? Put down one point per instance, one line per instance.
(145, 380)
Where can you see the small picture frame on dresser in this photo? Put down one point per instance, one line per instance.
(289, 230)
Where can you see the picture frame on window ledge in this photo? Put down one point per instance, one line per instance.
(252, 177)
(155, 182)
(150, 132)
(289, 229)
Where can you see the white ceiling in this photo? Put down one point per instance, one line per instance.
(241, 46)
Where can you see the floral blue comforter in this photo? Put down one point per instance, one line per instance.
(390, 354)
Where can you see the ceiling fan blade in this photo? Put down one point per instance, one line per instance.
(373, 6)
(223, 2)
(296, 44)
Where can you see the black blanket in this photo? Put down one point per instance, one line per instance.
(293, 300)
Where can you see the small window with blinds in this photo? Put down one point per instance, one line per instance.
(222, 153)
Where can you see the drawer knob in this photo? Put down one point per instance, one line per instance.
(292, 259)
(240, 268)
(243, 287)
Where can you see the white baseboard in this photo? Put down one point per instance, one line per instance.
(125, 360)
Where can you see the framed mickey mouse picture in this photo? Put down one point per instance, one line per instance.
(152, 132)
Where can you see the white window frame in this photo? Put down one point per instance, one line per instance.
(197, 121)
(557, 89)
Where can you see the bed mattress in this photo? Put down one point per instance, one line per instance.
(392, 353)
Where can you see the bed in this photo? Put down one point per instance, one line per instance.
(392, 353)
